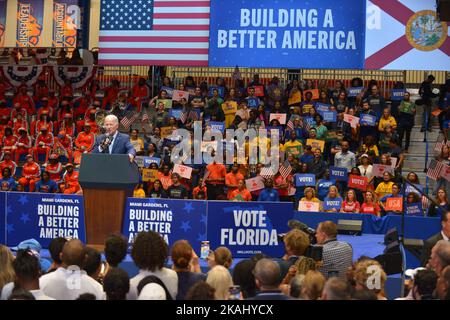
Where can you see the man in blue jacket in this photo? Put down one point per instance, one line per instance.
(114, 142)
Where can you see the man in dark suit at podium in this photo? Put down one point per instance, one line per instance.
(114, 142)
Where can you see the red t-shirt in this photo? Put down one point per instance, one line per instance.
(350, 207)
(370, 208)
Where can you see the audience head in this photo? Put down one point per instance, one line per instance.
(267, 274)
(149, 251)
(296, 286)
(55, 247)
(220, 257)
(73, 253)
(440, 256)
(220, 279)
(243, 277)
(325, 231)
(313, 285)
(181, 254)
(424, 284)
(336, 289)
(445, 223)
(116, 284)
(369, 274)
(92, 263)
(27, 269)
(200, 291)
(296, 242)
(116, 247)
(6, 268)
(152, 288)
(443, 284)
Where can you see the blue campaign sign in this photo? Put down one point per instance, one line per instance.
(150, 160)
(217, 126)
(248, 228)
(332, 203)
(397, 94)
(173, 219)
(220, 90)
(252, 102)
(43, 217)
(338, 174)
(368, 119)
(278, 34)
(354, 91)
(409, 189)
(3, 213)
(414, 209)
(309, 120)
(305, 180)
(446, 124)
(328, 116)
(321, 107)
(176, 113)
(169, 91)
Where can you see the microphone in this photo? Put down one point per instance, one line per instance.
(106, 142)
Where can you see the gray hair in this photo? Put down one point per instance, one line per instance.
(296, 286)
(337, 289)
(268, 273)
(112, 117)
(443, 252)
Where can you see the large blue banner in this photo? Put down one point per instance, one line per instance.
(43, 217)
(287, 34)
(248, 228)
(3, 217)
(173, 219)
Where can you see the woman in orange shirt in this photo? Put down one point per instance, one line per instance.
(241, 193)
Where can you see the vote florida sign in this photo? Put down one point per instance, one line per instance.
(248, 228)
(43, 217)
(279, 34)
(172, 219)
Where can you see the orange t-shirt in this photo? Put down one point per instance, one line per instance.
(216, 171)
(245, 194)
(232, 179)
(166, 181)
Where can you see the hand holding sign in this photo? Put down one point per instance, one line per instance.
(183, 171)
(354, 121)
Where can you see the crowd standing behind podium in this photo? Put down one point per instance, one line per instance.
(44, 134)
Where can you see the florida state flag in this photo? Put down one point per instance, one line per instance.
(406, 35)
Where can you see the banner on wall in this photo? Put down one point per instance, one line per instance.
(67, 22)
(401, 35)
(248, 228)
(30, 23)
(279, 34)
(17, 75)
(3, 4)
(173, 219)
(79, 76)
(43, 217)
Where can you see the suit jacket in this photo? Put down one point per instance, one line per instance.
(427, 246)
(121, 144)
(270, 295)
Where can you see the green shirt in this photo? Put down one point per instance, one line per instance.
(407, 107)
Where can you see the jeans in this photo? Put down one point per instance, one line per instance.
(426, 115)
(403, 131)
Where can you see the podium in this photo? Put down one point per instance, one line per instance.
(107, 180)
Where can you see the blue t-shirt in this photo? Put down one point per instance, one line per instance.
(186, 280)
(323, 187)
(306, 158)
(8, 184)
(46, 187)
(269, 195)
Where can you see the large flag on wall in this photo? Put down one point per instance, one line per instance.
(154, 32)
(66, 22)
(30, 22)
(3, 4)
(406, 35)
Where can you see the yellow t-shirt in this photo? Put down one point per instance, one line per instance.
(229, 109)
(374, 148)
(139, 193)
(294, 147)
(384, 188)
(385, 122)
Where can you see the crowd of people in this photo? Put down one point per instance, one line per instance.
(45, 133)
(79, 272)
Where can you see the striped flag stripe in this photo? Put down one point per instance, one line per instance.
(182, 16)
(141, 57)
(181, 4)
(176, 27)
(133, 45)
(155, 40)
(181, 10)
(155, 33)
(181, 22)
(155, 51)
(172, 63)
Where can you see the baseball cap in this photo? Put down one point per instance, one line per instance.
(412, 272)
(152, 291)
(35, 246)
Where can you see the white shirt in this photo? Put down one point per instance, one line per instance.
(65, 284)
(167, 276)
(366, 172)
(444, 236)
(8, 288)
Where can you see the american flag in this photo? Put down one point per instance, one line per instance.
(129, 119)
(290, 125)
(434, 169)
(285, 169)
(154, 32)
(440, 144)
(266, 172)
